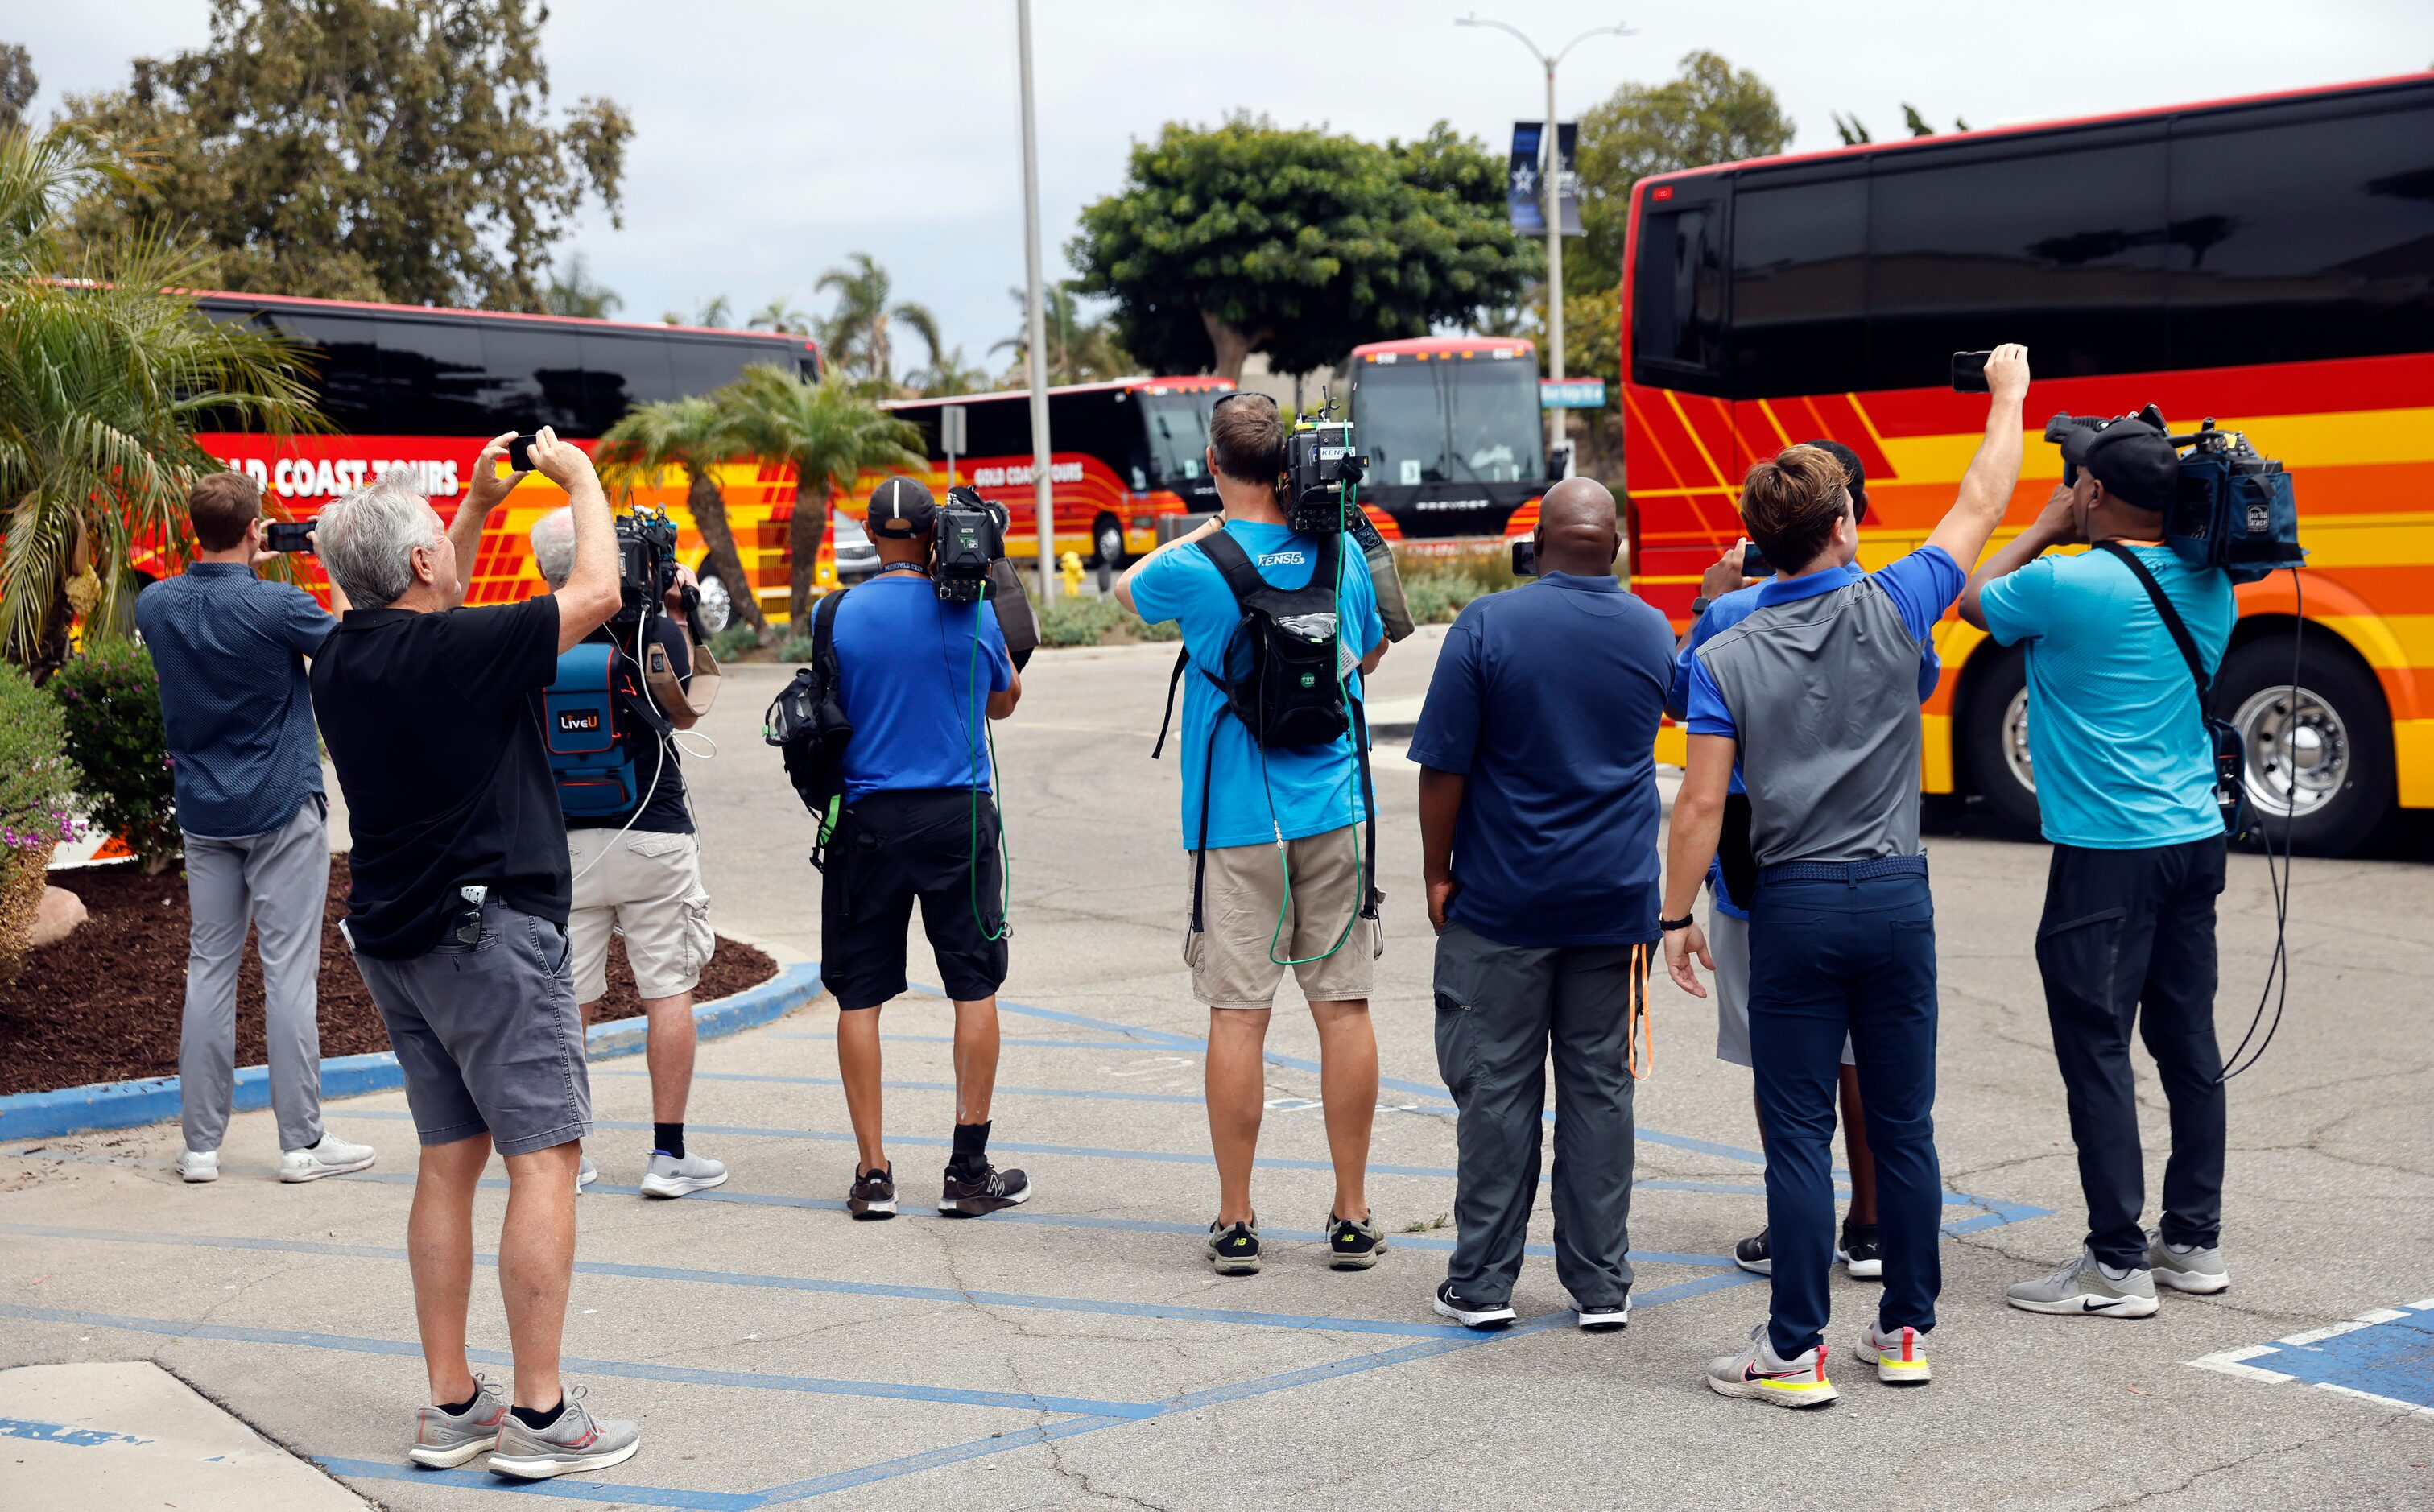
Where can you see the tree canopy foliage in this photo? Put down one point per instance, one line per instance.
(831, 432)
(378, 150)
(1248, 237)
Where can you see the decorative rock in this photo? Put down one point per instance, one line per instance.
(54, 917)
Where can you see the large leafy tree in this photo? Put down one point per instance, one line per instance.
(830, 433)
(385, 149)
(1246, 237)
(103, 379)
(1709, 113)
(858, 336)
(692, 433)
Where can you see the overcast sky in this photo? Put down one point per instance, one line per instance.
(772, 138)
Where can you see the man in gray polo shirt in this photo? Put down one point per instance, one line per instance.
(1815, 698)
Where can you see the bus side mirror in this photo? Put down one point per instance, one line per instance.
(1559, 462)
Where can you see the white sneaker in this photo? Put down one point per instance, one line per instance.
(671, 1177)
(332, 1157)
(198, 1165)
(1901, 1356)
(1604, 1318)
(1760, 1375)
(586, 1174)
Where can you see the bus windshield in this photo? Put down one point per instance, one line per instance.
(1178, 434)
(1450, 422)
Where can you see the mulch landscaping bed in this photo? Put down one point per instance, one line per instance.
(104, 1005)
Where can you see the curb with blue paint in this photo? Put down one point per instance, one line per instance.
(153, 1099)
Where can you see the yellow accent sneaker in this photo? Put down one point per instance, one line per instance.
(1758, 1374)
(1900, 1355)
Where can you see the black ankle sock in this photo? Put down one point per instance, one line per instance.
(971, 1147)
(668, 1138)
(458, 1409)
(532, 1417)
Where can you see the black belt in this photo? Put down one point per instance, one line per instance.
(1844, 870)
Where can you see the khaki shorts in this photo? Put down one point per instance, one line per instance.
(647, 887)
(1231, 959)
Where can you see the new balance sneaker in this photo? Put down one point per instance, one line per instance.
(873, 1194)
(444, 1439)
(198, 1165)
(1758, 1374)
(1901, 1356)
(1861, 1253)
(1604, 1317)
(2083, 1288)
(1753, 1255)
(585, 1174)
(1234, 1249)
(672, 1178)
(1353, 1244)
(577, 1441)
(970, 1197)
(333, 1155)
(1470, 1315)
(2185, 1268)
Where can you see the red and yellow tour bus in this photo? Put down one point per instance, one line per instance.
(423, 388)
(1454, 436)
(2266, 260)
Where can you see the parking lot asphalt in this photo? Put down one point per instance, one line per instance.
(1077, 1351)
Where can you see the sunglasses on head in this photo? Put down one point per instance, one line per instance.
(1223, 400)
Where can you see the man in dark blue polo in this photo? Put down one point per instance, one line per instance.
(1538, 818)
(1815, 698)
(230, 651)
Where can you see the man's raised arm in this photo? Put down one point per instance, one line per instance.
(589, 596)
(1986, 487)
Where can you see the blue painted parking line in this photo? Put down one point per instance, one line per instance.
(2386, 1357)
(570, 1489)
(68, 1434)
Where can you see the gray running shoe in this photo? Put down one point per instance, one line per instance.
(443, 1440)
(1353, 1243)
(1234, 1249)
(1758, 1374)
(586, 1174)
(2083, 1288)
(577, 1441)
(1901, 1356)
(2200, 1271)
(671, 1177)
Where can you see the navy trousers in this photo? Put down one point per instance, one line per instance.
(1830, 955)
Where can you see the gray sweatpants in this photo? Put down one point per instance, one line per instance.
(1500, 1009)
(279, 883)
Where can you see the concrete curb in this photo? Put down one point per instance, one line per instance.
(153, 1099)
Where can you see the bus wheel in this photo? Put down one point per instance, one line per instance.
(717, 604)
(1994, 737)
(2320, 767)
(1108, 534)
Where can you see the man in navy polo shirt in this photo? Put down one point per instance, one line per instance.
(1538, 818)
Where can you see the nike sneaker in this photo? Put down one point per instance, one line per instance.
(1758, 1374)
(2083, 1287)
(1900, 1355)
(1470, 1315)
(2186, 1267)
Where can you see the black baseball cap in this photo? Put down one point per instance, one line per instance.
(1852, 472)
(902, 507)
(2132, 460)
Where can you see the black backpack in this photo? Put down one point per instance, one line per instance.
(1280, 680)
(808, 725)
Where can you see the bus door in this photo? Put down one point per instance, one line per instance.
(1685, 446)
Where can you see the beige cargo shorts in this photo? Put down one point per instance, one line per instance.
(1230, 956)
(647, 886)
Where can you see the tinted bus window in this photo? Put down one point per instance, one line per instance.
(432, 379)
(2302, 239)
(1399, 419)
(622, 369)
(696, 365)
(1678, 320)
(1800, 285)
(1492, 411)
(345, 359)
(537, 375)
(2060, 248)
(1177, 428)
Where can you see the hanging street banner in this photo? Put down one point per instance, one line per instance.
(1571, 393)
(1521, 184)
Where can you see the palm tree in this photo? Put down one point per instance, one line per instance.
(780, 315)
(1079, 351)
(948, 374)
(717, 313)
(692, 433)
(830, 434)
(576, 292)
(105, 377)
(856, 334)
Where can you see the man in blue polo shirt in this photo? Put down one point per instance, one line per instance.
(1538, 818)
(1815, 697)
(2125, 791)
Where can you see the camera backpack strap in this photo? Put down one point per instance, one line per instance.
(2224, 747)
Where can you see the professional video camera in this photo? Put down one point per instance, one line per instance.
(2235, 509)
(968, 536)
(1320, 465)
(646, 566)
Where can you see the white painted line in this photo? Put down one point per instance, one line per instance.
(2228, 1363)
(2425, 1306)
(2319, 1335)
(2418, 1408)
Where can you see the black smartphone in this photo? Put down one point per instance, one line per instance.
(289, 534)
(1525, 557)
(520, 454)
(1755, 565)
(1969, 371)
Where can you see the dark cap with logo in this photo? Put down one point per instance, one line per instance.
(901, 506)
(2132, 460)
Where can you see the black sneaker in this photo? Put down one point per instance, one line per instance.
(985, 1192)
(1470, 1315)
(1861, 1252)
(873, 1194)
(1353, 1245)
(1753, 1255)
(1234, 1249)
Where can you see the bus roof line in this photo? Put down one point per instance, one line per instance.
(1196, 383)
(452, 311)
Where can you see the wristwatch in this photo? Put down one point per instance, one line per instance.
(1699, 604)
(1670, 925)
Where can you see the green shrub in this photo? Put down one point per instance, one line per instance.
(794, 647)
(1080, 621)
(733, 642)
(37, 803)
(111, 701)
(1437, 586)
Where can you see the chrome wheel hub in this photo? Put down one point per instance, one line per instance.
(2015, 741)
(2298, 751)
(717, 608)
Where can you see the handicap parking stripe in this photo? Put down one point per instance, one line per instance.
(2385, 1356)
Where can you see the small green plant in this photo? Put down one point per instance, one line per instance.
(733, 642)
(1100, 621)
(38, 786)
(797, 647)
(1443, 1220)
(1437, 586)
(110, 699)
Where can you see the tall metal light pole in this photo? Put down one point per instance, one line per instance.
(1551, 196)
(1042, 487)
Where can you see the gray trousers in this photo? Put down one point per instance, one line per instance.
(278, 882)
(1500, 1010)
